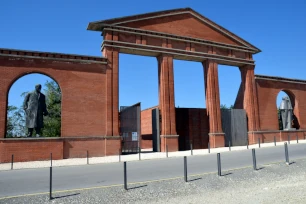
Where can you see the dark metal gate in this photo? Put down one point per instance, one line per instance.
(130, 128)
(234, 125)
(155, 130)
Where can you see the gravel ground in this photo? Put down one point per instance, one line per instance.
(276, 183)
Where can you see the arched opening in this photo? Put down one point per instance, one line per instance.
(287, 111)
(31, 113)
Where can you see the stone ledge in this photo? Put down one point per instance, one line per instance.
(60, 138)
(51, 56)
(275, 131)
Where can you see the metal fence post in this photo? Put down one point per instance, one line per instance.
(12, 162)
(185, 168)
(208, 147)
(191, 149)
(247, 143)
(254, 159)
(229, 145)
(50, 192)
(139, 153)
(219, 164)
(259, 142)
(87, 157)
(167, 151)
(297, 139)
(125, 175)
(51, 158)
(289, 139)
(274, 141)
(286, 153)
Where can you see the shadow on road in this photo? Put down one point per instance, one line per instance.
(57, 197)
(137, 187)
(194, 179)
(226, 174)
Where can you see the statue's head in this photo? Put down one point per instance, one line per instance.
(286, 98)
(38, 88)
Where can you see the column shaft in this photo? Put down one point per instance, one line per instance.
(112, 87)
(212, 96)
(250, 101)
(216, 135)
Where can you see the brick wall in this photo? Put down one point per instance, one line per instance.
(267, 95)
(146, 128)
(82, 86)
(36, 149)
(30, 149)
(96, 147)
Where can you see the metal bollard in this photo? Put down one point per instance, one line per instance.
(297, 139)
(139, 153)
(50, 193)
(167, 151)
(254, 159)
(286, 153)
(208, 147)
(119, 155)
(274, 141)
(259, 142)
(185, 168)
(289, 139)
(229, 145)
(191, 149)
(219, 164)
(51, 158)
(12, 162)
(247, 144)
(125, 175)
(87, 157)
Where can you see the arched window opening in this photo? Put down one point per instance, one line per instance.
(34, 107)
(287, 119)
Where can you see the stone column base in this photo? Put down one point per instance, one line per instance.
(216, 140)
(169, 140)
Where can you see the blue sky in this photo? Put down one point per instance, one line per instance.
(277, 27)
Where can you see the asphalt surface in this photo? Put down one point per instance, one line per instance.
(31, 181)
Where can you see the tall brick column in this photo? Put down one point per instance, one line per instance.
(112, 87)
(166, 103)
(250, 101)
(216, 135)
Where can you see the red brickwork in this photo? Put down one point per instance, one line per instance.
(82, 82)
(83, 94)
(146, 128)
(30, 149)
(96, 147)
(192, 125)
(90, 86)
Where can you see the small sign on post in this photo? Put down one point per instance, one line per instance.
(134, 136)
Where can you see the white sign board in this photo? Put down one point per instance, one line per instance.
(134, 136)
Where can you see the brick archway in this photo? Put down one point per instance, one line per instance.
(21, 75)
(295, 105)
(82, 82)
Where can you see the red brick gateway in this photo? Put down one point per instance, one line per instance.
(91, 121)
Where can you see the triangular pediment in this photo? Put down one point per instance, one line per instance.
(180, 22)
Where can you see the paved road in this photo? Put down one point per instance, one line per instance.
(28, 181)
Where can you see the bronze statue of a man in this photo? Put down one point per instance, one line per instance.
(35, 107)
